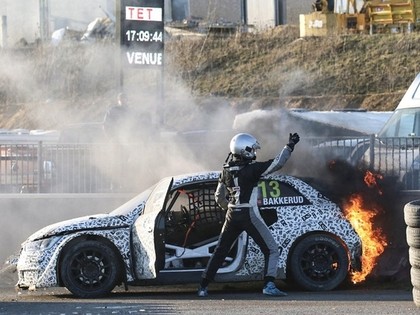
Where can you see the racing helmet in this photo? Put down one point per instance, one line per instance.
(245, 146)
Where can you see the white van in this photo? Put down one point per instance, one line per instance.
(405, 122)
(395, 149)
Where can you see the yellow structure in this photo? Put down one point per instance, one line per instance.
(323, 24)
(417, 11)
(390, 12)
(375, 15)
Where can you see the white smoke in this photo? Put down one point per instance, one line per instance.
(188, 133)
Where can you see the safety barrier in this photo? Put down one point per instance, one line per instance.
(399, 157)
(103, 168)
(61, 168)
(412, 219)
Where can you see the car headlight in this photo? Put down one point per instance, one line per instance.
(42, 244)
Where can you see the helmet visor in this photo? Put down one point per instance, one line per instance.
(253, 149)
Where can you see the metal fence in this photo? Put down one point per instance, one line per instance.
(399, 157)
(52, 168)
(99, 168)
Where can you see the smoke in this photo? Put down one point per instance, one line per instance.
(336, 179)
(296, 82)
(171, 133)
(76, 83)
(383, 197)
(175, 132)
(346, 179)
(15, 83)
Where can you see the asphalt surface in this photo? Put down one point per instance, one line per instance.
(184, 301)
(241, 299)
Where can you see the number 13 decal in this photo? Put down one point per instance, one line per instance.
(270, 189)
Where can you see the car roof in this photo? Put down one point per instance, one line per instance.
(411, 98)
(194, 178)
(212, 176)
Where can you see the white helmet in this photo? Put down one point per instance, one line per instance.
(244, 145)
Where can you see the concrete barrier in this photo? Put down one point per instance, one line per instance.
(23, 214)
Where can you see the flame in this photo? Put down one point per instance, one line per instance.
(370, 180)
(373, 240)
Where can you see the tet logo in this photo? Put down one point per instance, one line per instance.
(143, 14)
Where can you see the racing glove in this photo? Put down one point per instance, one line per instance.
(293, 139)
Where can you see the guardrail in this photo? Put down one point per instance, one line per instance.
(104, 168)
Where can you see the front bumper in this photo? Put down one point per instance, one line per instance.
(37, 268)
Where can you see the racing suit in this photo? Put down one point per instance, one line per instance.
(237, 194)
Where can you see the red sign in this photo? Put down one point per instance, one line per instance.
(143, 14)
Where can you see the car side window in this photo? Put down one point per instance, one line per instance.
(406, 124)
(194, 216)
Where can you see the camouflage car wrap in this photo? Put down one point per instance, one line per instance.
(298, 214)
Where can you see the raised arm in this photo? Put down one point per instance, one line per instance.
(281, 158)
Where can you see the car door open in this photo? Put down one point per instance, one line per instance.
(148, 234)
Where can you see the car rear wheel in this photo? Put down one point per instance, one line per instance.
(319, 262)
(89, 269)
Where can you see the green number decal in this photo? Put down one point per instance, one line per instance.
(274, 189)
(263, 189)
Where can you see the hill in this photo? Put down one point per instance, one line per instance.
(45, 87)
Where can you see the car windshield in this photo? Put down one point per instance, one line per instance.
(133, 203)
(403, 123)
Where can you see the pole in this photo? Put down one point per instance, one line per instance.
(4, 31)
(118, 61)
(44, 20)
(161, 114)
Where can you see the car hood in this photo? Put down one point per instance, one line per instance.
(123, 216)
(91, 222)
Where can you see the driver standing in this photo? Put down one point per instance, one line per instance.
(237, 194)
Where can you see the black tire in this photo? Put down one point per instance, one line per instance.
(415, 277)
(412, 213)
(413, 236)
(414, 257)
(416, 296)
(90, 269)
(319, 262)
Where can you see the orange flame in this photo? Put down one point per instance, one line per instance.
(370, 180)
(373, 240)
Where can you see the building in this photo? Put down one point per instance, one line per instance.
(254, 13)
(30, 20)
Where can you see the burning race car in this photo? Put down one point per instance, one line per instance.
(166, 235)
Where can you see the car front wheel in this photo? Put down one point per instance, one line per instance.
(319, 262)
(89, 269)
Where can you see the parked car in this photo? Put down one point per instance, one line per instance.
(166, 234)
(393, 150)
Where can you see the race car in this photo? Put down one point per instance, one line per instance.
(166, 235)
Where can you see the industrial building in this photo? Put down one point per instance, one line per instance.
(32, 20)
